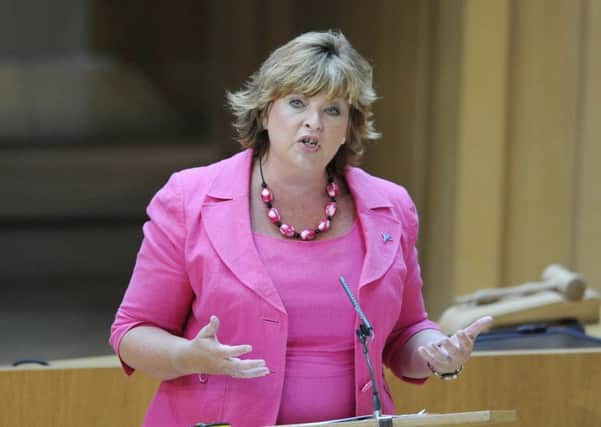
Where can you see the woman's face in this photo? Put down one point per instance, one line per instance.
(305, 132)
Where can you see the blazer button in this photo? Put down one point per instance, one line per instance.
(203, 378)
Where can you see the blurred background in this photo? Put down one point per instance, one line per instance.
(490, 110)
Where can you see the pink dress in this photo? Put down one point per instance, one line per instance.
(319, 375)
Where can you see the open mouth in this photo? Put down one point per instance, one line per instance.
(309, 142)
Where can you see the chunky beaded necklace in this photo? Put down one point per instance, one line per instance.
(288, 230)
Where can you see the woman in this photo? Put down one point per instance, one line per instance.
(234, 301)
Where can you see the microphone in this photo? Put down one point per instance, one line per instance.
(366, 328)
(364, 332)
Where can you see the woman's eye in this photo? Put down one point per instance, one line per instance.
(333, 111)
(296, 103)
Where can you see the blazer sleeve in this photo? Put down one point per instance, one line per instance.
(413, 317)
(159, 293)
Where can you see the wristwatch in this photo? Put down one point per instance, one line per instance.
(446, 375)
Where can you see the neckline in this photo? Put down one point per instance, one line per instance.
(353, 228)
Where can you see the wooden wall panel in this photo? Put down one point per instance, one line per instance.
(13, 117)
(74, 182)
(482, 144)
(399, 40)
(549, 388)
(464, 215)
(543, 120)
(46, 258)
(438, 213)
(588, 173)
(511, 175)
(398, 48)
(561, 391)
(60, 27)
(74, 397)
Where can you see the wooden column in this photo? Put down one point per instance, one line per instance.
(515, 126)
(463, 225)
(544, 107)
(438, 215)
(588, 202)
(482, 144)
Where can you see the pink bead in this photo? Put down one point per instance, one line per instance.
(331, 209)
(324, 225)
(266, 195)
(287, 230)
(332, 189)
(274, 215)
(307, 235)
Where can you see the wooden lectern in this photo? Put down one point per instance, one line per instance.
(78, 392)
(441, 420)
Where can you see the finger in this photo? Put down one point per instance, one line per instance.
(448, 356)
(239, 368)
(435, 356)
(229, 351)
(252, 373)
(465, 341)
(453, 351)
(210, 329)
(434, 360)
(479, 326)
(246, 364)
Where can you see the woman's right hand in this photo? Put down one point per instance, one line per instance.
(205, 354)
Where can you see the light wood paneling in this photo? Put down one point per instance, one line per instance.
(547, 388)
(94, 397)
(438, 215)
(588, 173)
(514, 145)
(482, 145)
(544, 105)
(466, 169)
(562, 391)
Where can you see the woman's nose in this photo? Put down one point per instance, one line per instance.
(313, 120)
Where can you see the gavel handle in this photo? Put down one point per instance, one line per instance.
(573, 291)
(555, 277)
(490, 295)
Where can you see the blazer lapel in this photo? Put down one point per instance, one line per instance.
(226, 215)
(381, 230)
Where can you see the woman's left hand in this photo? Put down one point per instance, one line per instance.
(449, 354)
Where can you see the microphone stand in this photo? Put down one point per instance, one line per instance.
(364, 332)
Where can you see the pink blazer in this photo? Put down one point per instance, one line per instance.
(198, 258)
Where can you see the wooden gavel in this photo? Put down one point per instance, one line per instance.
(555, 278)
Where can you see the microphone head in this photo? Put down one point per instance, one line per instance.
(366, 330)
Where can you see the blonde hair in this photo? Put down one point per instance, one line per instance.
(312, 62)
